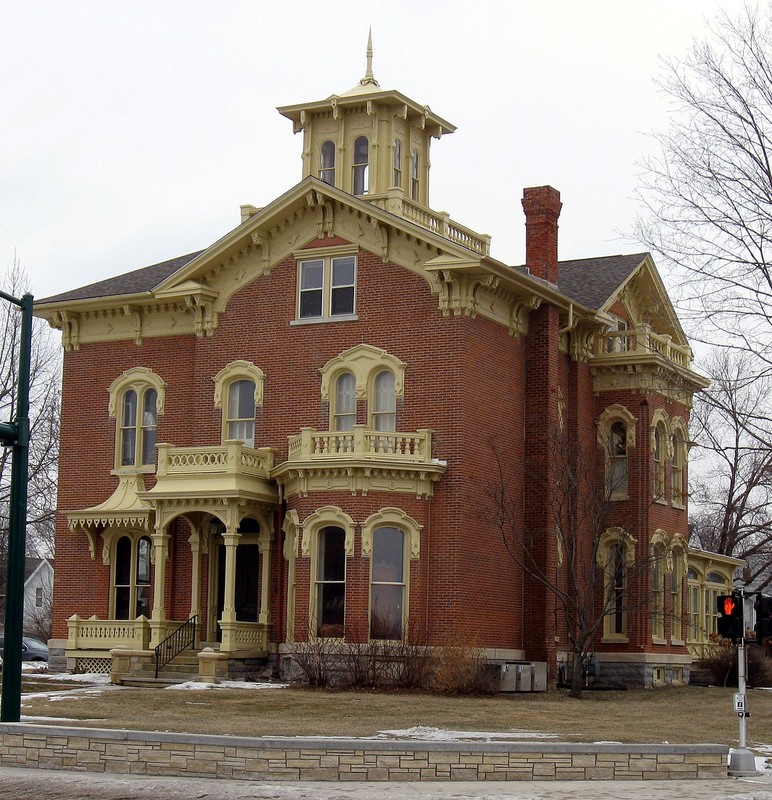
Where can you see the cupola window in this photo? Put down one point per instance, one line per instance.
(361, 156)
(327, 163)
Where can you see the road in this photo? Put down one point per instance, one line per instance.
(41, 784)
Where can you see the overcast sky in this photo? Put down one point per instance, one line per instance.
(130, 133)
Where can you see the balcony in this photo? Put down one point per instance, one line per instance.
(227, 470)
(395, 202)
(360, 461)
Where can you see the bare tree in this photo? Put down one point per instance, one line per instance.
(44, 423)
(709, 191)
(600, 572)
(731, 480)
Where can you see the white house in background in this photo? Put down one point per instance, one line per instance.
(38, 595)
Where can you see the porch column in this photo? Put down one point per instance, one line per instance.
(264, 545)
(158, 617)
(195, 574)
(227, 623)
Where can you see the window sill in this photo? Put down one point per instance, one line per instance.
(677, 642)
(615, 638)
(619, 497)
(661, 501)
(658, 640)
(319, 320)
(679, 505)
(146, 469)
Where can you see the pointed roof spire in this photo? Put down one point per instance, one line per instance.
(369, 78)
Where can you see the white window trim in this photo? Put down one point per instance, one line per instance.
(327, 255)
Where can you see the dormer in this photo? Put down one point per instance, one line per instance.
(367, 140)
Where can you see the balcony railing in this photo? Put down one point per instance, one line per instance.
(230, 458)
(104, 634)
(642, 341)
(361, 443)
(440, 223)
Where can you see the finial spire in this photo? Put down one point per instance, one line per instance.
(369, 78)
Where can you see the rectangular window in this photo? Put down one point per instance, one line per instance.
(38, 598)
(331, 583)
(387, 584)
(327, 288)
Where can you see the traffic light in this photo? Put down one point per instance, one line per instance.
(730, 620)
(763, 627)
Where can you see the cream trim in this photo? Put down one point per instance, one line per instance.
(391, 517)
(321, 518)
(609, 415)
(363, 361)
(138, 379)
(315, 253)
(238, 370)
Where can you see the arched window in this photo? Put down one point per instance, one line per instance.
(344, 415)
(387, 584)
(327, 163)
(131, 578)
(617, 459)
(715, 585)
(136, 401)
(240, 419)
(617, 584)
(414, 179)
(677, 475)
(361, 161)
(383, 412)
(659, 462)
(397, 164)
(693, 604)
(137, 430)
(658, 591)
(676, 591)
(330, 594)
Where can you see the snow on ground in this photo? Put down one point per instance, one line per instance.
(193, 685)
(429, 734)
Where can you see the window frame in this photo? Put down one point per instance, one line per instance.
(360, 169)
(135, 539)
(228, 376)
(678, 464)
(615, 556)
(396, 163)
(606, 421)
(329, 259)
(327, 171)
(396, 519)
(141, 382)
(415, 175)
(401, 583)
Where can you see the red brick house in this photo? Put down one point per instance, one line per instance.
(291, 433)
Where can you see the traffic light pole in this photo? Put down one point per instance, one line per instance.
(742, 762)
(16, 434)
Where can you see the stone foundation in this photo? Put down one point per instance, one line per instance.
(289, 759)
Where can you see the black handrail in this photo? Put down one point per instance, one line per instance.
(178, 640)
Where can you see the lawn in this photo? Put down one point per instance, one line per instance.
(682, 715)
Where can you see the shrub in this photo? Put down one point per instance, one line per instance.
(460, 667)
(720, 660)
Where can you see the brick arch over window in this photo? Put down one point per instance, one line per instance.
(362, 361)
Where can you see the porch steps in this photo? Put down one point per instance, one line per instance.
(182, 668)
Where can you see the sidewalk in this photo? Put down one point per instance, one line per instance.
(41, 784)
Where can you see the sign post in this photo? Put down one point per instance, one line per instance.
(742, 762)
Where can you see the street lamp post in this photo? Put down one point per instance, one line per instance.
(15, 434)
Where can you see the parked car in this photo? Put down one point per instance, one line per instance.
(31, 649)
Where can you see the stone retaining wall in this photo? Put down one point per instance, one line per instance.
(285, 759)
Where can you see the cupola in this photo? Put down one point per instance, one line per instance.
(368, 141)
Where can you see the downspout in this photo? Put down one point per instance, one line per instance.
(426, 571)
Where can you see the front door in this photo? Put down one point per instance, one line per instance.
(247, 583)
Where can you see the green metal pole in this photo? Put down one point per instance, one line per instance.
(10, 708)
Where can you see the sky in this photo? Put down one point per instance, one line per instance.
(130, 133)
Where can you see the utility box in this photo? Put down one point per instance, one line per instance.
(523, 676)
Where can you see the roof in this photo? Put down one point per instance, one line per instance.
(588, 281)
(135, 282)
(592, 281)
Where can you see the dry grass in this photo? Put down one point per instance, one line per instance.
(683, 715)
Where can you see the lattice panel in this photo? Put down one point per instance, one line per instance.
(97, 665)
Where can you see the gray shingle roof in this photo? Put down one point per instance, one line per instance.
(591, 281)
(135, 282)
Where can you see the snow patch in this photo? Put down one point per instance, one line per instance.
(426, 733)
(196, 685)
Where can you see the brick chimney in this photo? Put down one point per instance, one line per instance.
(542, 205)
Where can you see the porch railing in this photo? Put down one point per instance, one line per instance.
(104, 634)
(183, 638)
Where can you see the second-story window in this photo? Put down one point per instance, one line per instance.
(659, 462)
(327, 162)
(677, 475)
(361, 162)
(617, 474)
(240, 422)
(344, 415)
(383, 410)
(138, 427)
(327, 288)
